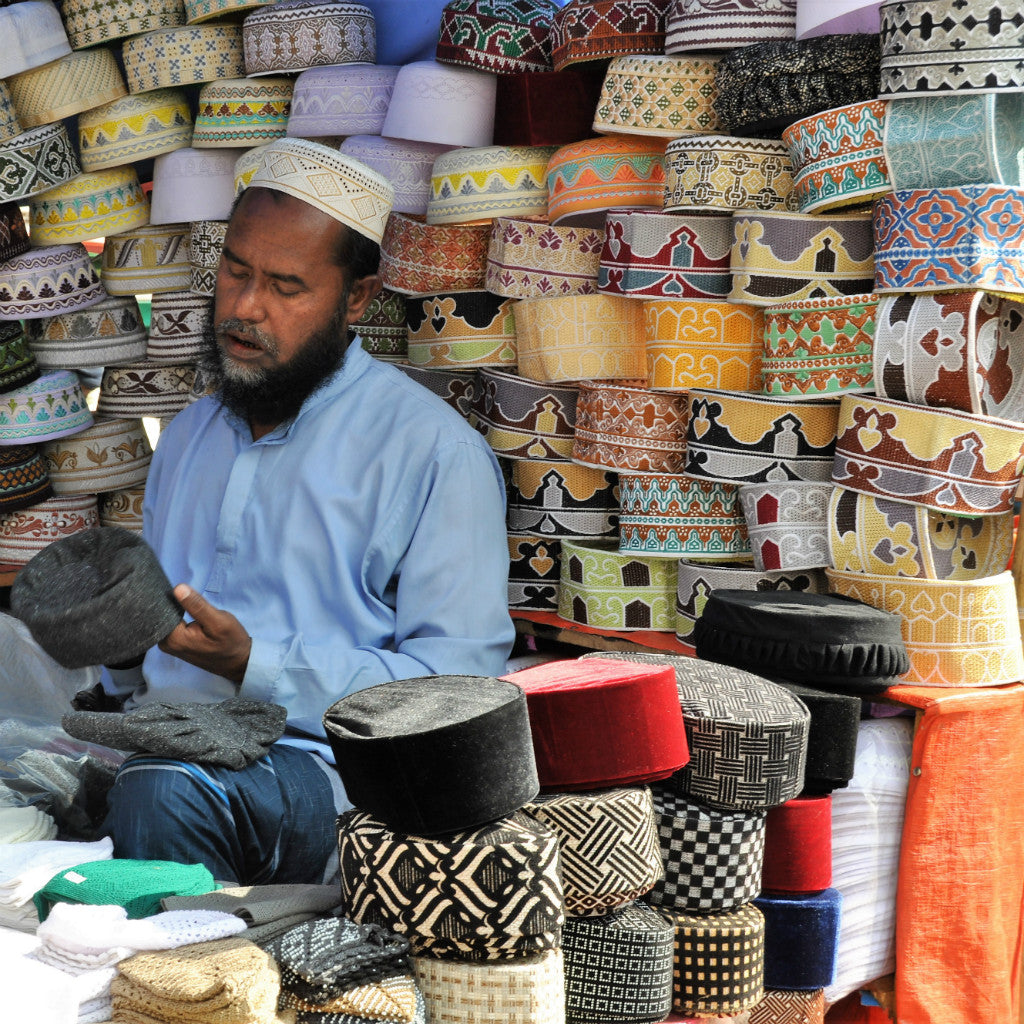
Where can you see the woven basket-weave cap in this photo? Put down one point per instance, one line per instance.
(434, 102)
(343, 188)
(435, 754)
(97, 597)
(33, 34)
(815, 639)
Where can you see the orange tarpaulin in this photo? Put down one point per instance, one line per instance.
(960, 899)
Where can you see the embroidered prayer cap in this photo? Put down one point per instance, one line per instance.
(712, 856)
(98, 597)
(709, 25)
(197, 11)
(343, 188)
(441, 103)
(69, 85)
(122, 508)
(9, 126)
(525, 116)
(450, 895)
(193, 184)
(461, 330)
(601, 725)
(607, 845)
(109, 455)
(821, 640)
(586, 179)
(33, 35)
(13, 232)
(183, 56)
(589, 30)
(24, 481)
(36, 160)
(151, 259)
(765, 87)
(382, 327)
(48, 280)
(533, 573)
(658, 96)
(560, 499)
(98, 21)
(836, 17)
(134, 128)
(524, 419)
(425, 259)
(18, 364)
(245, 167)
(435, 754)
(341, 99)
(469, 185)
(673, 516)
(729, 715)
(949, 46)
(145, 389)
(294, 35)
(499, 36)
(28, 531)
(798, 845)
(801, 939)
(205, 242)
(52, 405)
(406, 165)
(92, 205)
(787, 522)
(618, 966)
(605, 588)
(242, 112)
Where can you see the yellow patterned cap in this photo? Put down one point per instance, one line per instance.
(341, 187)
(77, 82)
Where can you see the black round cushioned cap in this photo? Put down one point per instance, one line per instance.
(766, 87)
(435, 754)
(831, 738)
(821, 640)
(97, 597)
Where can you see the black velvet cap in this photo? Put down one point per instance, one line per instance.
(766, 87)
(435, 754)
(824, 641)
(831, 739)
(97, 597)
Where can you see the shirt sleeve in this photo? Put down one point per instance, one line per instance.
(446, 553)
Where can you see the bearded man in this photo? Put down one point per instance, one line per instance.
(330, 524)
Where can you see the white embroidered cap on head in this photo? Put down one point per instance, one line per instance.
(341, 187)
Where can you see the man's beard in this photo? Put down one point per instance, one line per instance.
(262, 395)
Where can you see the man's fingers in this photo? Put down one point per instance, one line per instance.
(195, 604)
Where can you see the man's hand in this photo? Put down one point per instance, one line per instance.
(214, 640)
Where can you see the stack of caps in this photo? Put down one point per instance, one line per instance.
(618, 952)
(439, 847)
(748, 743)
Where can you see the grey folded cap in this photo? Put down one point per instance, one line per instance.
(97, 597)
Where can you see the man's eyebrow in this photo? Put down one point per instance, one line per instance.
(285, 278)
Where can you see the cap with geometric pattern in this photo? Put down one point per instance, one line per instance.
(36, 160)
(608, 845)
(461, 330)
(619, 966)
(787, 522)
(242, 112)
(53, 405)
(709, 25)
(712, 857)
(183, 56)
(747, 735)
(449, 895)
(92, 205)
(134, 128)
(425, 259)
(561, 499)
(205, 241)
(533, 573)
(48, 280)
(24, 481)
(150, 259)
(341, 99)
(343, 188)
(109, 333)
(70, 85)
(9, 126)
(589, 30)
(498, 36)
(197, 11)
(18, 364)
(382, 327)
(100, 21)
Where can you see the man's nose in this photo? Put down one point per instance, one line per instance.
(249, 302)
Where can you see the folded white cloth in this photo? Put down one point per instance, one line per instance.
(26, 867)
(25, 825)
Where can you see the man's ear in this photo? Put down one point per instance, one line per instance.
(360, 295)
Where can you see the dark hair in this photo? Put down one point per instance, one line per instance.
(355, 252)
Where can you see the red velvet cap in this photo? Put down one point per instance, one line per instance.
(546, 108)
(598, 724)
(798, 846)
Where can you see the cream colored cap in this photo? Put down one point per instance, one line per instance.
(343, 188)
